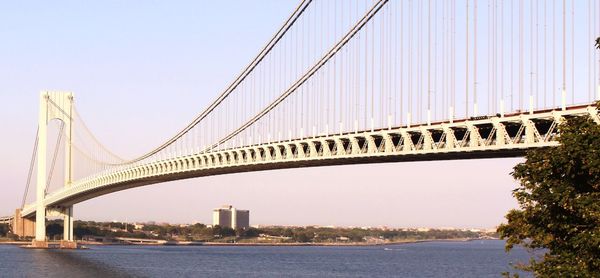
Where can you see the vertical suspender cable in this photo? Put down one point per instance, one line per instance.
(537, 52)
(545, 59)
(333, 103)
(467, 62)
(420, 66)
(490, 54)
(502, 56)
(392, 51)
(521, 56)
(429, 62)
(410, 61)
(357, 77)
(512, 47)
(366, 77)
(564, 62)
(475, 108)
(554, 53)
(390, 59)
(590, 35)
(372, 73)
(573, 51)
(341, 57)
(383, 67)
(401, 62)
(531, 50)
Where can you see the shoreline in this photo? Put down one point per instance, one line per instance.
(350, 244)
(322, 244)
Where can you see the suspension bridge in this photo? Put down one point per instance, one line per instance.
(349, 82)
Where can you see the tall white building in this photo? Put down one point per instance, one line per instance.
(228, 216)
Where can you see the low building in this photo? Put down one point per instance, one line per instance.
(230, 217)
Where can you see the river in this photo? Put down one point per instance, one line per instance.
(479, 258)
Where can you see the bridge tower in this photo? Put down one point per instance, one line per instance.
(53, 106)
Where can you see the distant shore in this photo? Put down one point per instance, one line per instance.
(334, 243)
(194, 243)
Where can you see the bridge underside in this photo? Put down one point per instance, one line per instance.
(287, 165)
(484, 137)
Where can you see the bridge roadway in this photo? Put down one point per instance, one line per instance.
(481, 137)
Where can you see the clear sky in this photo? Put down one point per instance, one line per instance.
(141, 71)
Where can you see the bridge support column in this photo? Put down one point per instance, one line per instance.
(40, 213)
(68, 241)
(68, 224)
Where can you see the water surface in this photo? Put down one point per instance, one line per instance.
(429, 259)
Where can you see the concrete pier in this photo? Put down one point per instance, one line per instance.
(63, 244)
(37, 244)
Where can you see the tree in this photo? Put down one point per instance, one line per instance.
(216, 229)
(303, 236)
(227, 231)
(3, 230)
(288, 233)
(54, 229)
(249, 232)
(223, 231)
(559, 204)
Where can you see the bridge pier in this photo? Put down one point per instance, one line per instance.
(68, 241)
(68, 224)
(40, 240)
(40, 224)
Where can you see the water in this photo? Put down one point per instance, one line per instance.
(429, 259)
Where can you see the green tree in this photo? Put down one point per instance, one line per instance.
(3, 230)
(54, 229)
(216, 229)
(227, 231)
(249, 232)
(223, 231)
(559, 204)
(288, 233)
(303, 236)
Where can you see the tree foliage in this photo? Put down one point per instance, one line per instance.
(54, 230)
(559, 204)
(4, 230)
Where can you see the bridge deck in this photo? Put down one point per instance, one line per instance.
(482, 137)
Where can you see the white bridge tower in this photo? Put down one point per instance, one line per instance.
(53, 106)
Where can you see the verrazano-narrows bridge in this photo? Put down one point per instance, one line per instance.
(346, 82)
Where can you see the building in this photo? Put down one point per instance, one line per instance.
(228, 216)
(242, 219)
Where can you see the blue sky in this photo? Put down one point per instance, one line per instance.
(141, 71)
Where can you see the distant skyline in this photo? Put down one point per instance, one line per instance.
(141, 72)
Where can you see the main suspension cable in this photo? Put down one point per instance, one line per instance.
(31, 165)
